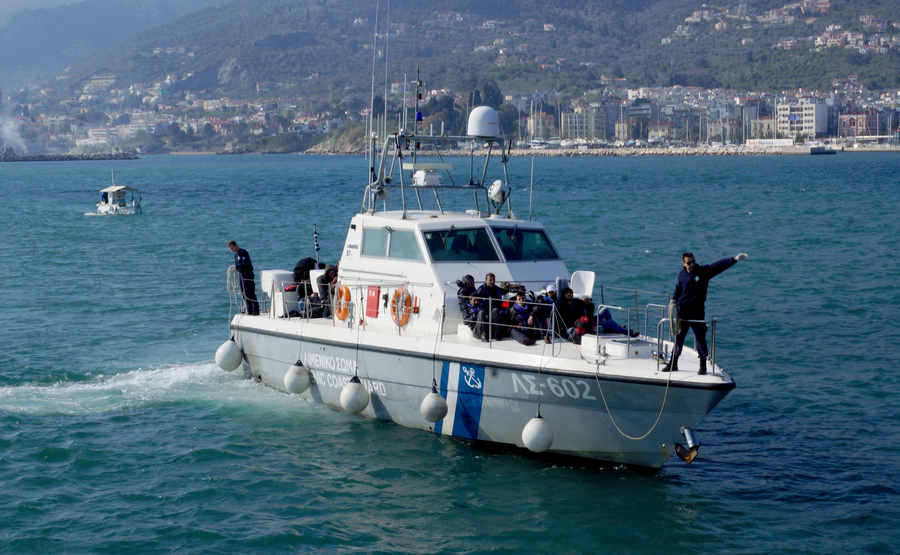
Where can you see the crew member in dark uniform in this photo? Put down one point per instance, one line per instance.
(690, 295)
(245, 268)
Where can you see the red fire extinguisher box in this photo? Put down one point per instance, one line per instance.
(372, 298)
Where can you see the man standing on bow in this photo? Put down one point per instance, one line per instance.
(245, 268)
(690, 295)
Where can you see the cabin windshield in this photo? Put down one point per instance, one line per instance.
(379, 242)
(460, 245)
(524, 244)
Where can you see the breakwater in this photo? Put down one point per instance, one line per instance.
(625, 151)
(651, 151)
(66, 157)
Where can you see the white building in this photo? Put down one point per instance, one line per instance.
(808, 118)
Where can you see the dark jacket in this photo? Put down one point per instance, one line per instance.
(302, 268)
(570, 314)
(470, 313)
(242, 264)
(492, 292)
(690, 290)
(462, 297)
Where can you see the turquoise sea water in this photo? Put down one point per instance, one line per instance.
(118, 433)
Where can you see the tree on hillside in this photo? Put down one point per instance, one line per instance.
(208, 133)
(509, 120)
(491, 95)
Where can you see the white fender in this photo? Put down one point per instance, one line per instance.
(537, 435)
(354, 397)
(296, 380)
(229, 356)
(434, 407)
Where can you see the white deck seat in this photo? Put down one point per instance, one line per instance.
(582, 283)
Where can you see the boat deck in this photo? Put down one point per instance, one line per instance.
(609, 355)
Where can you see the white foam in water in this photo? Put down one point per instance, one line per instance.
(137, 388)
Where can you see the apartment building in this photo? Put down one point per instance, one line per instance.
(807, 117)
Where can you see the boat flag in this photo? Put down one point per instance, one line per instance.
(316, 242)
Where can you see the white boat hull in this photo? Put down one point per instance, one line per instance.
(116, 210)
(491, 394)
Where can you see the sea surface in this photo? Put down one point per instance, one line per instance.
(119, 435)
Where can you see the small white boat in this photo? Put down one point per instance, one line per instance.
(396, 346)
(119, 199)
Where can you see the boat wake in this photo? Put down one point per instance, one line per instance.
(136, 390)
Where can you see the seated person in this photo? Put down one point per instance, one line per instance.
(569, 312)
(529, 295)
(302, 268)
(312, 307)
(526, 326)
(301, 279)
(466, 289)
(472, 308)
(606, 324)
(325, 285)
(489, 320)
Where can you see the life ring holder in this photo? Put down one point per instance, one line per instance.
(674, 318)
(401, 306)
(343, 302)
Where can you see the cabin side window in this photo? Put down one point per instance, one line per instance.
(403, 245)
(374, 242)
(525, 244)
(460, 245)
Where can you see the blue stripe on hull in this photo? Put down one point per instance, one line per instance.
(468, 401)
(465, 399)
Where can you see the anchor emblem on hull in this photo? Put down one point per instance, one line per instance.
(470, 378)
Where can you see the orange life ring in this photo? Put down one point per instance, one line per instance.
(343, 302)
(401, 306)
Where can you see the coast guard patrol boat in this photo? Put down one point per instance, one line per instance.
(396, 347)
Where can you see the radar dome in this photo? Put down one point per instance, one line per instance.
(483, 122)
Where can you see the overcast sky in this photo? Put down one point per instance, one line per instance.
(9, 6)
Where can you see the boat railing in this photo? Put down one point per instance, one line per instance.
(663, 335)
(238, 300)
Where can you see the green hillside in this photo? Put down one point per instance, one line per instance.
(325, 46)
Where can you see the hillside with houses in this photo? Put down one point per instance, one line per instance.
(279, 76)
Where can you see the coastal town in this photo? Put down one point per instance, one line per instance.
(106, 115)
(610, 114)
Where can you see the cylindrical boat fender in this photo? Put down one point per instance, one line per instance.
(354, 397)
(434, 407)
(296, 380)
(229, 356)
(537, 435)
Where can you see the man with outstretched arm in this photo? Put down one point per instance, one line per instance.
(690, 295)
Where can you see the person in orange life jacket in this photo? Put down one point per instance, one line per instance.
(244, 267)
(690, 295)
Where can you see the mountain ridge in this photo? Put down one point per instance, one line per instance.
(324, 47)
